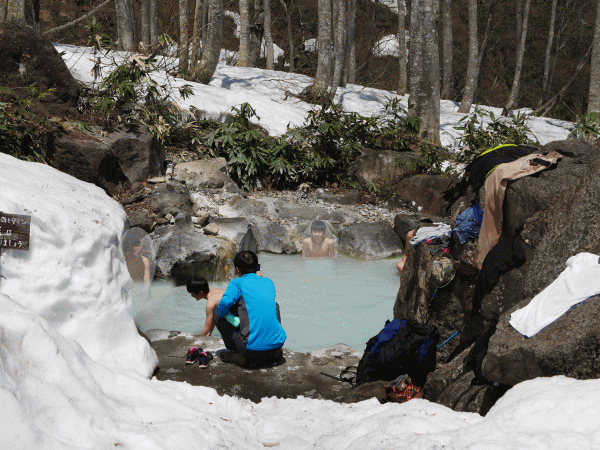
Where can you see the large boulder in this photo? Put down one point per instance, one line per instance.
(370, 240)
(182, 254)
(170, 198)
(427, 191)
(110, 160)
(277, 238)
(239, 231)
(569, 346)
(206, 173)
(26, 58)
(383, 167)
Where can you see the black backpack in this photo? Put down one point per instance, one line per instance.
(402, 347)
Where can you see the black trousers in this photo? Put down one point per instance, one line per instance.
(234, 341)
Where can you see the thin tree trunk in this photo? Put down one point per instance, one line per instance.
(289, 33)
(519, 19)
(3, 5)
(472, 74)
(145, 21)
(205, 6)
(548, 59)
(256, 31)
(153, 23)
(339, 48)
(546, 106)
(594, 94)
(325, 46)
(447, 50)
(351, 51)
(196, 33)
(514, 93)
(424, 67)
(184, 36)
(269, 36)
(486, 38)
(402, 54)
(205, 70)
(244, 52)
(67, 25)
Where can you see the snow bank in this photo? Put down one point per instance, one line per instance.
(74, 275)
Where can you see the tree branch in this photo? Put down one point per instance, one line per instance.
(85, 16)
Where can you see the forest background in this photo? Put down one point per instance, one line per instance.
(569, 53)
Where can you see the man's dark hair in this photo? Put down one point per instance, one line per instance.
(318, 225)
(246, 261)
(197, 285)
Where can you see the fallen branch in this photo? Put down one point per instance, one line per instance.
(85, 16)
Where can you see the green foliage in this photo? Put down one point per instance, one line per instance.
(20, 134)
(588, 127)
(483, 130)
(129, 92)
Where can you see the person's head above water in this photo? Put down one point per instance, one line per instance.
(197, 285)
(246, 262)
(318, 226)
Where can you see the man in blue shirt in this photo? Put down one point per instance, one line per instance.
(259, 337)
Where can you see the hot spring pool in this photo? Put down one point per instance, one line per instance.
(323, 302)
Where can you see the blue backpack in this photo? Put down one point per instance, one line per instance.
(404, 346)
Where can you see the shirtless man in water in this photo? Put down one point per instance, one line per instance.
(317, 245)
(198, 288)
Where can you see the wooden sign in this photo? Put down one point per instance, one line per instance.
(14, 231)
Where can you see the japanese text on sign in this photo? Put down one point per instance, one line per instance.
(14, 231)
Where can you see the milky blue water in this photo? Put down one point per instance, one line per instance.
(322, 302)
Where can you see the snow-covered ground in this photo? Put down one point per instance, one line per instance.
(73, 370)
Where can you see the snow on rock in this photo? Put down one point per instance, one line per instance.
(74, 275)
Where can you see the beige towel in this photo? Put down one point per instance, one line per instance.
(495, 187)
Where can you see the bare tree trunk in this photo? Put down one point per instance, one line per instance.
(256, 31)
(145, 21)
(339, 47)
(244, 52)
(270, 54)
(15, 11)
(325, 46)
(486, 39)
(594, 95)
(3, 5)
(403, 56)
(289, 33)
(184, 36)
(196, 34)
(205, 6)
(351, 50)
(472, 73)
(125, 25)
(548, 59)
(425, 67)
(519, 19)
(514, 93)
(447, 50)
(205, 70)
(153, 22)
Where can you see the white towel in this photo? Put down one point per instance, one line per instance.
(424, 233)
(579, 281)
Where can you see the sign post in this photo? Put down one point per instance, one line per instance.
(14, 232)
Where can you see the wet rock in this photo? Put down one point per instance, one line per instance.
(182, 254)
(239, 231)
(383, 167)
(301, 374)
(370, 240)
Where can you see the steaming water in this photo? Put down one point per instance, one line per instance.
(322, 302)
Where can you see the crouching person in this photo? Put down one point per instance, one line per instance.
(259, 337)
